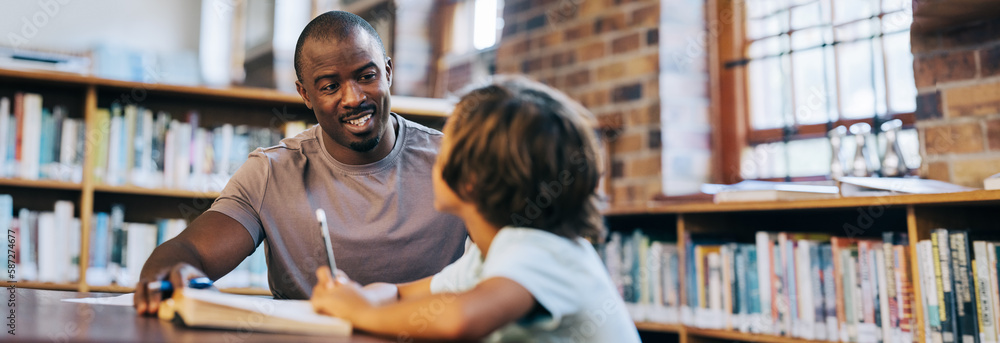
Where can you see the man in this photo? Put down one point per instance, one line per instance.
(369, 169)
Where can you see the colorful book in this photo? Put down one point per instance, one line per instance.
(945, 285)
(965, 305)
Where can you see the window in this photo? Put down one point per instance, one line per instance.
(477, 25)
(813, 65)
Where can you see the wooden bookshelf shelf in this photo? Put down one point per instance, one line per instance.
(744, 337)
(48, 184)
(980, 196)
(161, 192)
(410, 106)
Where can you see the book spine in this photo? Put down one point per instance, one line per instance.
(987, 325)
(867, 326)
(852, 303)
(806, 309)
(829, 294)
(816, 281)
(763, 262)
(6, 225)
(19, 116)
(965, 307)
(991, 253)
(888, 242)
(742, 288)
(882, 278)
(31, 137)
(929, 276)
(904, 293)
(5, 123)
(945, 283)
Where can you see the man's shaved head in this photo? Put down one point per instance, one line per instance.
(333, 25)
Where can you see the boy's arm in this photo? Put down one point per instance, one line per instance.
(489, 306)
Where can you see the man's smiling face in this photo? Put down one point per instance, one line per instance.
(346, 84)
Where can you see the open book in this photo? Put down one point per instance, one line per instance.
(212, 309)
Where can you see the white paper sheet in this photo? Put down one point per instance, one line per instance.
(121, 300)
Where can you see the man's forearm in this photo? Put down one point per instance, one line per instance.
(169, 254)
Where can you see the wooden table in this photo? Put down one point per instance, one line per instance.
(41, 316)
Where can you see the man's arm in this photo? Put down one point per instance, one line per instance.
(212, 245)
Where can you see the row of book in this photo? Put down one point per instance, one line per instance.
(137, 147)
(39, 142)
(46, 247)
(802, 285)
(646, 273)
(961, 298)
(134, 145)
(814, 286)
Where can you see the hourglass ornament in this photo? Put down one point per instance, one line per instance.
(893, 163)
(836, 139)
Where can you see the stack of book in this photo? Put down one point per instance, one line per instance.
(39, 142)
(45, 245)
(134, 146)
(959, 283)
(646, 273)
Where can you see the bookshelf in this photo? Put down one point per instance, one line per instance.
(82, 95)
(916, 215)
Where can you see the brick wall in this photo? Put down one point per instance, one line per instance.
(957, 73)
(606, 54)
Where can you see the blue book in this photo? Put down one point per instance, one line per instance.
(753, 286)
(46, 142)
(99, 241)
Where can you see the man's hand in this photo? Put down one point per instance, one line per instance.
(339, 297)
(147, 302)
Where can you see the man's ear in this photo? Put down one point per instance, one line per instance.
(302, 93)
(388, 70)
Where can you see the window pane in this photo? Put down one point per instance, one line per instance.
(809, 157)
(807, 16)
(766, 94)
(899, 66)
(848, 10)
(811, 38)
(897, 5)
(811, 96)
(765, 47)
(857, 95)
(769, 26)
(831, 82)
(878, 63)
(896, 22)
(764, 161)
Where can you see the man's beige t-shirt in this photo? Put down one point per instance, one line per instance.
(381, 215)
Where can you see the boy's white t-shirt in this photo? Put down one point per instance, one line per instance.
(565, 276)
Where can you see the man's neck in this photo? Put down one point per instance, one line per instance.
(348, 156)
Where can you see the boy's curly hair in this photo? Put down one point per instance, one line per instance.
(526, 155)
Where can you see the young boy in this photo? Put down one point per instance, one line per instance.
(518, 164)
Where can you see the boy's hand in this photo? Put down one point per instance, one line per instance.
(339, 297)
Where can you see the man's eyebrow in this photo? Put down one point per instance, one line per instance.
(366, 66)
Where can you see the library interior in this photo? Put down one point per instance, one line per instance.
(778, 171)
